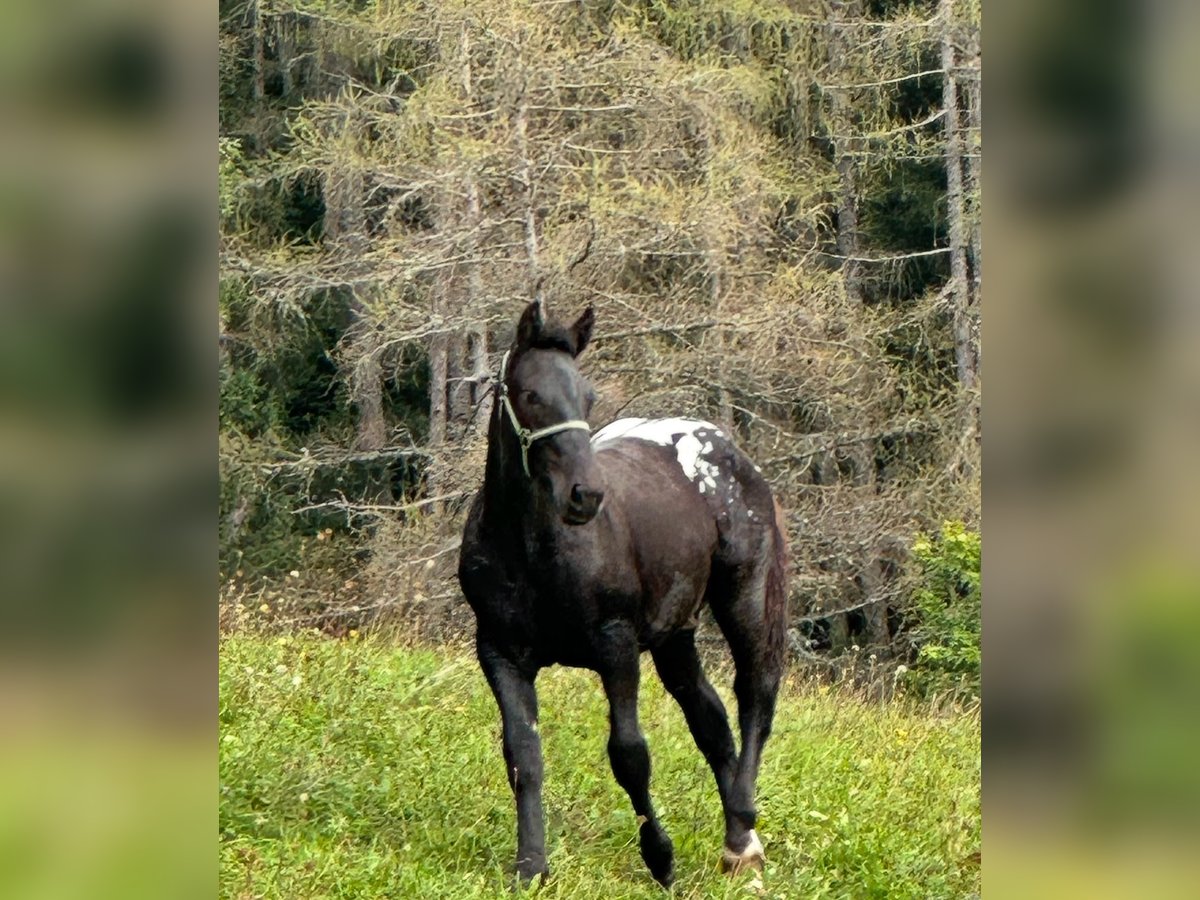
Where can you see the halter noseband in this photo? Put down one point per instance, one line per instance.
(526, 437)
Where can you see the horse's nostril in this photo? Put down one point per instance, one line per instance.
(581, 496)
(585, 501)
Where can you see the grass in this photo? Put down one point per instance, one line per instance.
(359, 769)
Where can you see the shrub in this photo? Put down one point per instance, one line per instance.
(946, 607)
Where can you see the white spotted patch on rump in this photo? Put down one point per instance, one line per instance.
(690, 451)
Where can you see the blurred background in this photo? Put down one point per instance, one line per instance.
(1091, 419)
(108, 476)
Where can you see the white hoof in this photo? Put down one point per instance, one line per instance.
(752, 857)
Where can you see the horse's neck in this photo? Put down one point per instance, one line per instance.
(507, 491)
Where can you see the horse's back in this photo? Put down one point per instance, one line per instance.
(695, 454)
(691, 500)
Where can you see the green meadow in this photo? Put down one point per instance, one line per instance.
(357, 768)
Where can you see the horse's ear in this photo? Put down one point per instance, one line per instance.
(582, 329)
(530, 325)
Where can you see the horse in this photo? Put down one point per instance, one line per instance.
(585, 550)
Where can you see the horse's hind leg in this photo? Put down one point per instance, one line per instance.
(627, 749)
(750, 613)
(679, 668)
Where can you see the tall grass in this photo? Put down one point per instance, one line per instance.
(359, 769)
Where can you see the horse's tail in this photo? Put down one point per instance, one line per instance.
(776, 594)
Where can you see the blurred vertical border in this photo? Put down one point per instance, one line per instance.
(1092, 438)
(108, 273)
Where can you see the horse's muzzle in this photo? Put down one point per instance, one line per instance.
(583, 505)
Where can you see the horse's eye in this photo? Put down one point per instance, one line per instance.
(532, 398)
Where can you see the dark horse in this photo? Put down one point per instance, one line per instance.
(585, 552)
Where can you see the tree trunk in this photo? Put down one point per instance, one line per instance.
(458, 393)
(477, 339)
(960, 286)
(481, 394)
(439, 369)
(974, 145)
(284, 26)
(345, 224)
(526, 169)
(845, 149)
(366, 393)
(876, 582)
(724, 401)
(256, 32)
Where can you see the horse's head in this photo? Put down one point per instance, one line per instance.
(546, 390)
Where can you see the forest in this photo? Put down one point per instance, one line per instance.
(774, 208)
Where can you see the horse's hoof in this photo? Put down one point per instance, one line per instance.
(658, 853)
(531, 878)
(750, 857)
(667, 878)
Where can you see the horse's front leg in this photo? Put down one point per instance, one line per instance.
(627, 749)
(517, 699)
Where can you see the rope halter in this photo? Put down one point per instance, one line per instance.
(526, 436)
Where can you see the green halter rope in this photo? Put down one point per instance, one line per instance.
(525, 436)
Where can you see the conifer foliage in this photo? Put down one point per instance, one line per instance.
(773, 206)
